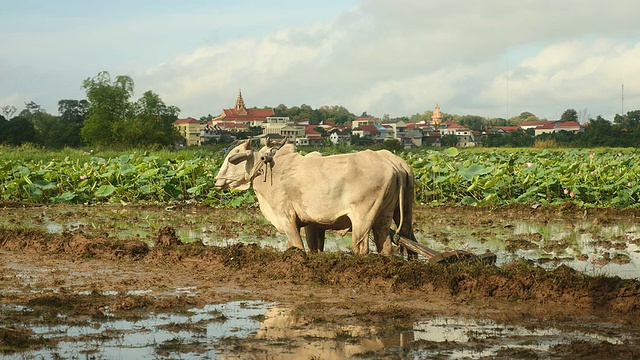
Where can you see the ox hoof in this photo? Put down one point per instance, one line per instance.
(295, 253)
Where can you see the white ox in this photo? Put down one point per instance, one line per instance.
(403, 217)
(360, 191)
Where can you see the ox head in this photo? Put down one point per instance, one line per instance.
(267, 152)
(235, 172)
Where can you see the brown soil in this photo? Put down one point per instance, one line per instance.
(387, 292)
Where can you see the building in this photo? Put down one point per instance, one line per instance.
(189, 129)
(312, 137)
(365, 128)
(570, 126)
(534, 124)
(466, 137)
(230, 119)
(436, 117)
(368, 121)
(339, 137)
(546, 128)
(407, 134)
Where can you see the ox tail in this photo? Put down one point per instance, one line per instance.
(401, 199)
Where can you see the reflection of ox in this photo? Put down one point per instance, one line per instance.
(361, 191)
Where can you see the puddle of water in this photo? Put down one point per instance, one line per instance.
(585, 246)
(147, 338)
(496, 336)
(246, 329)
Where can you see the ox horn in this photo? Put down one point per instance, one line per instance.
(235, 159)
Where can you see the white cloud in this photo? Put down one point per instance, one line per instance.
(492, 58)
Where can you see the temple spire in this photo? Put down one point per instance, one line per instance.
(436, 117)
(240, 108)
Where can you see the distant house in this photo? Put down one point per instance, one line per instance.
(549, 127)
(339, 137)
(466, 137)
(432, 138)
(189, 129)
(534, 124)
(570, 126)
(501, 129)
(409, 135)
(366, 131)
(546, 128)
(311, 137)
(363, 121)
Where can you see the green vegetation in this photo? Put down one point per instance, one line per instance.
(600, 177)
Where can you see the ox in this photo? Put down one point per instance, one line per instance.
(403, 218)
(361, 191)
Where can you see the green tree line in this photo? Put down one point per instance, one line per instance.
(107, 118)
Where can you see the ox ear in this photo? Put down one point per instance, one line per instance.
(276, 144)
(236, 159)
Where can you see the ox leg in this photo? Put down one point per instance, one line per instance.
(382, 237)
(360, 239)
(315, 238)
(293, 237)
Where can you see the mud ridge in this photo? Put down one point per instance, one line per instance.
(520, 281)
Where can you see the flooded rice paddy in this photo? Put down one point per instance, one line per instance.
(243, 324)
(592, 247)
(258, 329)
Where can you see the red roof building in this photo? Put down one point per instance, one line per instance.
(570, 126)
(240, 114)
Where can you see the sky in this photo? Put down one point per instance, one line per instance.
(492, 58)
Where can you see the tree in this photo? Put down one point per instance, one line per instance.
(73, 111)
(629, 121)
(473, 122)
(598, 133)
(526, 115)
(17, 131)
(40, 121)
(569, 115)
(65, 130)
(109, 107)
(152, 123)
(449, 140)
(393, 145)
(357, 140)
(8, 111)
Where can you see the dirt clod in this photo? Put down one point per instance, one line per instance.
(167, 237)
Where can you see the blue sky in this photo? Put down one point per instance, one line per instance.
(494, 58)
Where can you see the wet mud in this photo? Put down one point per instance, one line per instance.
(87, 291)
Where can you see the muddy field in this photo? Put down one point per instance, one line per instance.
(188, 281)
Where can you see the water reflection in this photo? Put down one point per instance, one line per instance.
(301, 338)
(307, 339)
(257, 329)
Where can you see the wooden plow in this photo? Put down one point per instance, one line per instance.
(446, 257)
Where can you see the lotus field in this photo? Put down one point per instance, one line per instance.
(589, 177)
